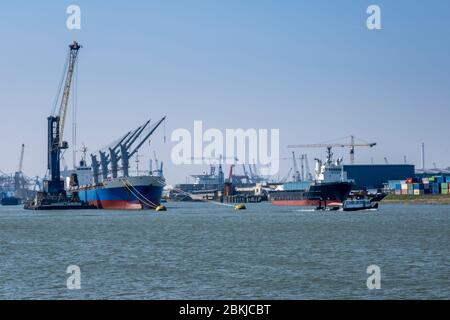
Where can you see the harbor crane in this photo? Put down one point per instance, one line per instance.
(307, 173)
(299, 175)
(351, 145)
(22, 151)
(230, 174)
(56, 122)
(296, 176)
(19, 179)
(159, 166)
(244, 169)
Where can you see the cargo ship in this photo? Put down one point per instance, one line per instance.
(329, 188)
(105, 185)
(125, 193)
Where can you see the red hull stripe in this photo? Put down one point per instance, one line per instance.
(116, 205)
(314, 203)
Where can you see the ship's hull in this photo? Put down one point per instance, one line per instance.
(321, 194)
(10, 201)
(131, 193)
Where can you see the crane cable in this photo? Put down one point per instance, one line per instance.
(134, 194)
(146, 201)
(58, 92)
(137, 191)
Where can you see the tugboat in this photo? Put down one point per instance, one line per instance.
(329, 189)
(359, 204)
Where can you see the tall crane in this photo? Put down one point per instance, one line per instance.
(296, 176)
(22, 151)
(244, 169)
(56, 124)
(19, 180)
(308, 176)
(351, 145)
(230, 174)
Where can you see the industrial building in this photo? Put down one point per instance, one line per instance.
(373, 176)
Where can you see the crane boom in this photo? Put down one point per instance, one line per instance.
(153, 129)
(296, 176)
(352, 146)
(74, 47)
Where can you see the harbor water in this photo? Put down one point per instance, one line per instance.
(210, 251)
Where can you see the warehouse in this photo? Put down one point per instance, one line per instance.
(373, 176)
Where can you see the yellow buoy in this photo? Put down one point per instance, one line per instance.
(240, 206)
(161, 208)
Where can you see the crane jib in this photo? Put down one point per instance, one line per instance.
(73, 54)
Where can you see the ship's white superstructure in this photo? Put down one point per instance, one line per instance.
(330, 171)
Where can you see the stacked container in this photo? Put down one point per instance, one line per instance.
(444, 188)
(415, 187)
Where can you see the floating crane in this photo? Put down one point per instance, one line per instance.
(55, 185)
(53, 196)
(351, 145)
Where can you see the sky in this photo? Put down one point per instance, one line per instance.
(311, 69)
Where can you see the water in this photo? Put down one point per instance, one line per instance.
(206, 251)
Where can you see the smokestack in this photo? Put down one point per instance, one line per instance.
(423, 156)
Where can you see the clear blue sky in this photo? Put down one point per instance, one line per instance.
(310, 68)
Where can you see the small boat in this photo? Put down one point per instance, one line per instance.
(359, 204)
(330, 188)
(10, 201)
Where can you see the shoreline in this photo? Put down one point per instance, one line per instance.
(440, 199)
